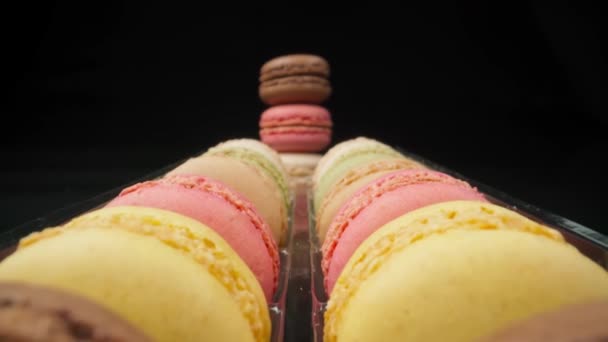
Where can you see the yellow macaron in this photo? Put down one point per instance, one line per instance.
(456, 271)
(170, 276)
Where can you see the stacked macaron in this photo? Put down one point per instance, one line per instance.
(296, 124)
(423, 256)
(295, 86)
(190, 256)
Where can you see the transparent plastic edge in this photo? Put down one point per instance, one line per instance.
(276, 307)
(588, 241)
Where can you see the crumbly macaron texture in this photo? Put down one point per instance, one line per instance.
(456, 271)
(381, 202)
(343, 150)
(249, 181)
(218, 207)
(258, 160)
(177, 235)
(349, 160)
(334, 153)
(354, 180)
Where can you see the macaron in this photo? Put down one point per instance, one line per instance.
(294, 65)
(380, 202)
(259, 155)
(296, 128)
(572, 323)
(457, 271)
(342, 158)
(354, 180)
(245, 178)
(215, 205)
(295, 78)
(37, 313)
(300, 167)
(172, 277)
(260, 147)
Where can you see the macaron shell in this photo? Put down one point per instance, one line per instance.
(246, 180)
(456, 271)
(160, 290)
(343, 157)
(345, 237)
(353, 181)
(259, 147)
(295, 89)
(296, 138)
(219, 208)
(300, 167)
(464, 285)
(336, 152)
(296, 115)
(300, 164)
(261, 162)
(294, 64)
(342, 167)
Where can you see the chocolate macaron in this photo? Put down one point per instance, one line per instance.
(295, 78)
(36, 313)
(580, 322)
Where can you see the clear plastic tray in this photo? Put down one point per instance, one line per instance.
(298, 306)
(591, 243)
(277, 308)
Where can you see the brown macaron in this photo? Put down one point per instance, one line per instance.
(297, 78)
(293, 65)
(36, 313)
(581, 322)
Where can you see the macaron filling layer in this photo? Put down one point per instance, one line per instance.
(295, 81)
(305, 130)
(178, 236)
(296, 122)
(296, 115)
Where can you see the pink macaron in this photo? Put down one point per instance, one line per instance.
(296, 128)
(380, 202)
(219, 208)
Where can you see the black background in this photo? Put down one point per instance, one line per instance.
(101, 94)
